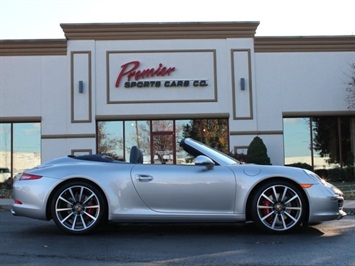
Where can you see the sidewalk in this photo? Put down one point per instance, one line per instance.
(349, 205)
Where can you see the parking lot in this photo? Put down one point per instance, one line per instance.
(32, 242)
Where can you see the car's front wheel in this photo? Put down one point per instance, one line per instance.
(78, 207)
(278, 206)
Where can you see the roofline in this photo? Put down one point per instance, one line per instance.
(305, 44)
(33, 47)
(159, 31)
(176, 30)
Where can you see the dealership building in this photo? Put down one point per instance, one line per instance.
(106, 87)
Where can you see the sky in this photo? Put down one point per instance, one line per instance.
(41, 19)
(27, 137)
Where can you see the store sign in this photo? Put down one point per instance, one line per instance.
(177, 76)
(137, 77)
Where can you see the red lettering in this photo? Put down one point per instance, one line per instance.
(124, 71)
(130, 70)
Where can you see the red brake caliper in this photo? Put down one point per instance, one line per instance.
(89, 210)
(267, 211)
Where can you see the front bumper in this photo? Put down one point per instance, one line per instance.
(325, 203)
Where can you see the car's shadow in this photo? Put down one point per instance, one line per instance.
(143, 230)
(154, 230)
(196, 229)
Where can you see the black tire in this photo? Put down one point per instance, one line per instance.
(278, 207)
(78, 207)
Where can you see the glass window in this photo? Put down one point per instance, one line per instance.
(212, 132)
(158, 139)
(297, 141)
(137, 133)
(26, 149)
(181, 129)
(20, 146)
(325, 144)
(5, 151)
(162, 125)
(110, 139)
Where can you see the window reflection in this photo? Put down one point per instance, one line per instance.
(5, 151)
(137, 133)
(297, 141)
(20, 146)
(158, 139)
(110, 139)
(182, 157)
(323, 144)
(26, 149)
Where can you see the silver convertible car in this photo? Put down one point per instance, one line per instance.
(81, 193)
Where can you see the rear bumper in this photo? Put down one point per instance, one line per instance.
(31, 196)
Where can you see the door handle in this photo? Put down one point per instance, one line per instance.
(144, 178)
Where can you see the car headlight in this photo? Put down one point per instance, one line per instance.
(314, 176)
(330, 186)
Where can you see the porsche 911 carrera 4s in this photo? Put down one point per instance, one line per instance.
(80, 193)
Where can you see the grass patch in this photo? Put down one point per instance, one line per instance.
(348, 189)
(5, 193)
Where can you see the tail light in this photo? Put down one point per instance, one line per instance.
(26, 176)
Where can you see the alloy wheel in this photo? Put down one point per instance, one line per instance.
(77, 208)
(279, 207)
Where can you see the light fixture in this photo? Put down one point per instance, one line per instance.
(242, 84)
(81, 86)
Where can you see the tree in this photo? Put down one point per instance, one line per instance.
(257, 152)
(332, 139)
(107, 144)
(351, 89)
(212, 132)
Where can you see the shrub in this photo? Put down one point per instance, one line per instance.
(301, 165)
(257, 152)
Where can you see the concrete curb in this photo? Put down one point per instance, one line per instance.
(6, 203)
(349, 205)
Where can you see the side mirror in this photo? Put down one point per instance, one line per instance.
(205, 161)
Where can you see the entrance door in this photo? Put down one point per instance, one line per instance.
(163, 142)
(163, 148)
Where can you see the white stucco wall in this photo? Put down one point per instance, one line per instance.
(304, 83)
(281, 83)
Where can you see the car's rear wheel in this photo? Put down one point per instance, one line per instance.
(78, 207)
(278, 206)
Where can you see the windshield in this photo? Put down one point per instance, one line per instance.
(196, 148)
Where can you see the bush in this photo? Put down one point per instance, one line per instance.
(337, 174)
(257, 152)
(301, 165)
(7, 184)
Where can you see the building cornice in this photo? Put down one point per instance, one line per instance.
(159, 31)
(304, 44)
(33, 47)
(183, 30)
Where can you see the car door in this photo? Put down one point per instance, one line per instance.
(185, 188)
